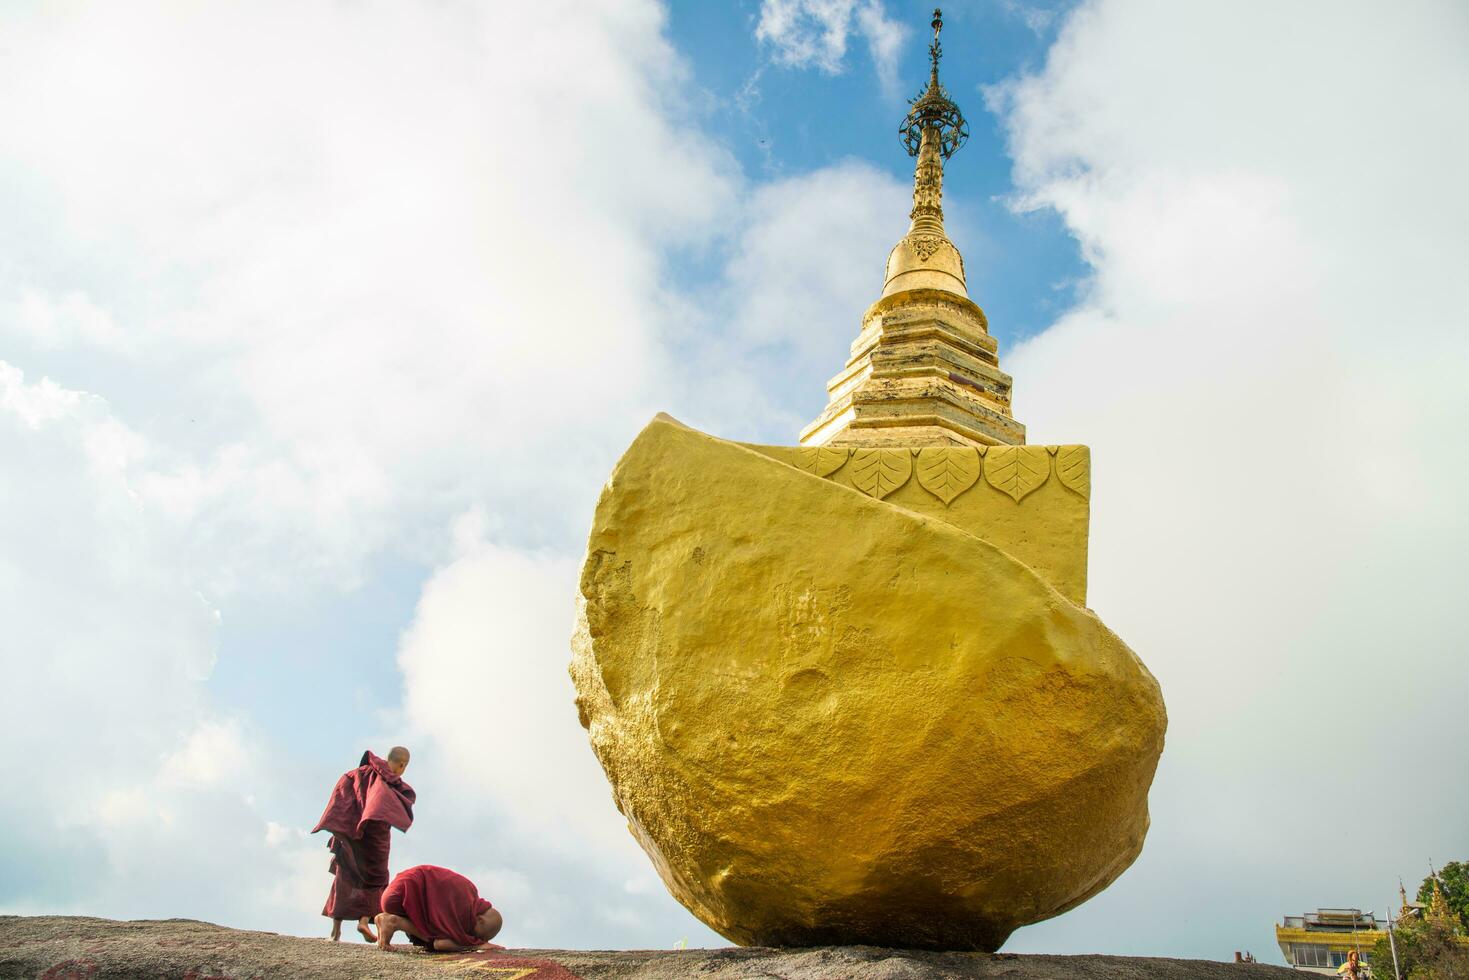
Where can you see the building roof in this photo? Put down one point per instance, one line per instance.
(1333, 920)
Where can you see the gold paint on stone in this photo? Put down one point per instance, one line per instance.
(852, 723)
(1047, 531)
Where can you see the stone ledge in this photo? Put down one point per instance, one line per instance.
(75, 948)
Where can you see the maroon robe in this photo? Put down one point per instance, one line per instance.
(366, 803)
(440, 903)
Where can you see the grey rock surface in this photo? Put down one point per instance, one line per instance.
(73, 948)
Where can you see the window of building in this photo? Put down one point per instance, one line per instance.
(1310, 954)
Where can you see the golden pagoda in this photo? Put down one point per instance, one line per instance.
(924, 369)
(1438, 910)
(849, 691)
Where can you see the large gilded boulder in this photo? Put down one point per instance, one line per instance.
(831, 719)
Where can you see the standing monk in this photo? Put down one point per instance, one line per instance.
(366, 803)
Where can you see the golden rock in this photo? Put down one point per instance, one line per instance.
(833, 711)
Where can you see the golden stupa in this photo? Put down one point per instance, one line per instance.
(849, 691)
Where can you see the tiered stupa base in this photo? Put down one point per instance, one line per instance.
(922, 372)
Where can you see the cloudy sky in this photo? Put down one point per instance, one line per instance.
(321, 325)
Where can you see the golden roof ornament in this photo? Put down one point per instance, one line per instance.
(933, 107)
(1438, 907)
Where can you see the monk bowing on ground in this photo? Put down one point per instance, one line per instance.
(364, 807)
(437, 909)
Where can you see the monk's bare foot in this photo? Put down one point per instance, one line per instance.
(385, 930)
(336, 930)
(364, 926)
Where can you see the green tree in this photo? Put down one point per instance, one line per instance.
(1427, 950)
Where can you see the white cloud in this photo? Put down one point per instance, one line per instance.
(484, 668)
(212, 754)
(64, 320)
(34, 405)
(137, 796)
(1264, 367)
(98, 627)
(1037, 17)
(814, 34)
(340, 274)
(805, 259)
(352, 296)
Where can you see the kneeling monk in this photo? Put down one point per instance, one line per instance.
(365, 805)
(438, 909)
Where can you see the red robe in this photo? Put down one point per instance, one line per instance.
(365, 804)
(440, 903)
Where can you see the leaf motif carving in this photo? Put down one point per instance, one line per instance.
(1017, 470)
(821, 460)
(948, 471)
(878, 472)
(1074, 470)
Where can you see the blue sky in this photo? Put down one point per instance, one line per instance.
(309, 378)
(779, 120)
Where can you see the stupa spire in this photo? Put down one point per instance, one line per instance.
(933, 130)
(935, 50)
(924, 370)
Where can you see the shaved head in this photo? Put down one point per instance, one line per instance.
(398, 758)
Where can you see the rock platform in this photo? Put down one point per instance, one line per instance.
(73, 948)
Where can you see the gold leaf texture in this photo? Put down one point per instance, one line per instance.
(948, 471)
(1017, 470)
(1074, 470)
(821, 460)
(878, 472)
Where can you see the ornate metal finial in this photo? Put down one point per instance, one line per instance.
(933, 109)
(935, 50)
